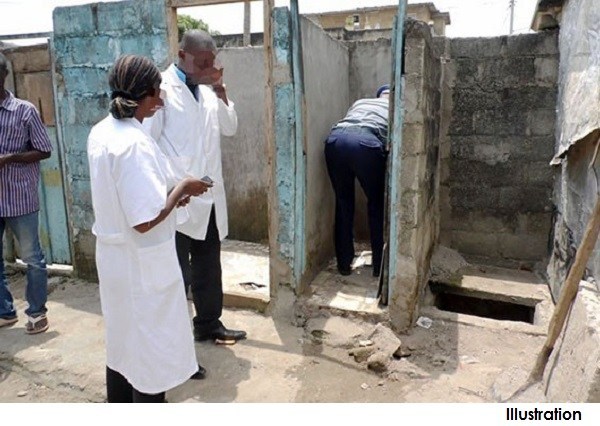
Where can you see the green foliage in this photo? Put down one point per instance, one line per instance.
(186, 22)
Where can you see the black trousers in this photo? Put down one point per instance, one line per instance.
(119, 390)
(347, 160)
(200, 262)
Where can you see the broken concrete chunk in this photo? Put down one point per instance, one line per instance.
(402, 352)
(378, 362)
(361, 354)
(384, 339)
(446, 264)
(318, 335)
(22, 394)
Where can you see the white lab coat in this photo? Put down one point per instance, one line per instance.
(149, 338)
(189, 133)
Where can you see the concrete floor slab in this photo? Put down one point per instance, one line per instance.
(245, 268)
(355, 293)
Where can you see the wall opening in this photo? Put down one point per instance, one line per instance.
(447, 299)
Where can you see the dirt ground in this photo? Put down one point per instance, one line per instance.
(452, 361)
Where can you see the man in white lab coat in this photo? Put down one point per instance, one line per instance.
(188, 130)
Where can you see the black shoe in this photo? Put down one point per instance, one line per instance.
(221, 335)
(200, 374)
(344, 271)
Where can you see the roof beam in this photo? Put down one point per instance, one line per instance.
(25, 36)
(189, 3)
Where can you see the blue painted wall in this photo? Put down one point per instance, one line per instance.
(285, 138)
(87, 40)
(54, 234)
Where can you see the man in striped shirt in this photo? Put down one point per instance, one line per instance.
(354, 150)
(23, 143)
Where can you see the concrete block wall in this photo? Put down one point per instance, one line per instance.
(327, 98)
(497, 184)
(419, 174)
(87, 40)
(244, 155)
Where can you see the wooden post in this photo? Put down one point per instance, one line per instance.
(172, 34)
(269, 137)
(568, 293)
(247, 13)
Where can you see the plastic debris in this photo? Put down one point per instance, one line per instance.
(425, 322)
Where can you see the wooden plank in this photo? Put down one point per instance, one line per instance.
(247, 15)
(272, 213)
(26, 36)
(191, 3)
(568, 292)
(172, 32)
(37, 89)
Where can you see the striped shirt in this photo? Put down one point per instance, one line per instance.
(21, 130)
(369, 114)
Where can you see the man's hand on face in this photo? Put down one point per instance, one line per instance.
(218, 86)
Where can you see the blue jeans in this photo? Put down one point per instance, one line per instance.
(25, 228)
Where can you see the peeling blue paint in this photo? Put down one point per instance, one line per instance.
(395, 145)
(300, 152)
(87, 40)
(284, 128)
(281, 36)
(53, 214)
(284, 160)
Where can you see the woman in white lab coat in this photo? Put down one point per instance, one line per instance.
(149, 341)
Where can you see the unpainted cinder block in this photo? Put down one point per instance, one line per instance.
(534, 223)
(541, 122)
(413, 139)
(523, 247)
(500, 122)
(412, 171)
(476, 243)
(473, 47)
(540, 43)
(546, 71)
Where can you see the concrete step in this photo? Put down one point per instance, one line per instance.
(352, 295)
(245, 269)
